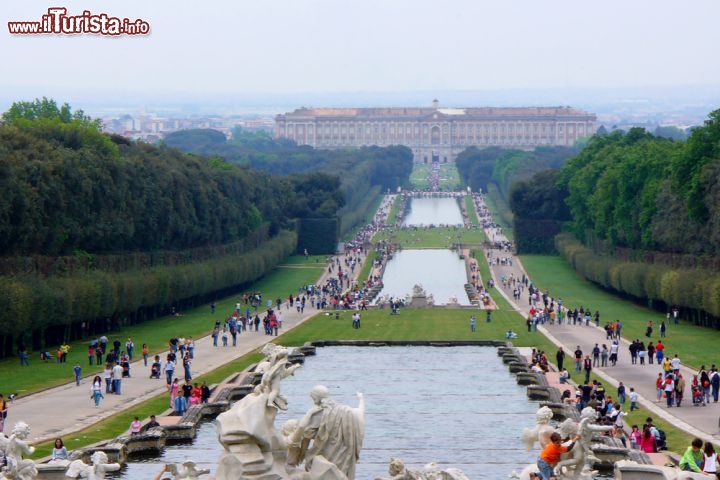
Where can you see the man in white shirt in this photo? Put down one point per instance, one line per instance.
(675, 363)
(117, 372)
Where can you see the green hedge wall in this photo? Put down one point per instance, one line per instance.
(695, 290)
(318, 235)
(35, 302)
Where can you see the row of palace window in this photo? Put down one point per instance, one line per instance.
(457, 131)
(493, 140)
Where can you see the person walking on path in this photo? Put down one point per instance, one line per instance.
(107, 375)
(169, 371)
(130, 348)
(614, 349)
(560, 358)
(96, 390)
(633, 400)
(578, 359)
(117, 372)
(604, 354)
(669, 387)
(659, 387)
(596, 355)
(659, 352)
(77, 370)
(679, 389)
(186, 366)
(587, 366)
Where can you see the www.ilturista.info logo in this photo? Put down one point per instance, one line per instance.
(58, 22)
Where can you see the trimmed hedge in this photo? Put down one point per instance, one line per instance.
(34, 302)
(696, 290)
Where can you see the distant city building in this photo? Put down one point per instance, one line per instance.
(435, 133)
(152, 128)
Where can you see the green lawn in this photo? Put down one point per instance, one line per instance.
(419, 176)
(449, 177)
(281, 282)
(438, 237)
(470, 208)
(394, 210)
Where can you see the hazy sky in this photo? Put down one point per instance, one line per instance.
(245, 46)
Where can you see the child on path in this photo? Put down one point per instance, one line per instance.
(633, 400)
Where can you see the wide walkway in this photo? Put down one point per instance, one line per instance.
(66, 409)
(702, 422)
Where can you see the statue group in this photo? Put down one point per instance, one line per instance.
(323, 445)
(577, 463)
(14, 447)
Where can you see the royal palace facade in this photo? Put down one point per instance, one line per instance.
(435, 133)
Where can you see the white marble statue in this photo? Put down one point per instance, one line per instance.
(270, 350)
(186, 470)
(326, 442)
(431, 471)
(541, 432)
(581, 457)
(329, 430)
(278, 369)
(14, 448)
(95, 471)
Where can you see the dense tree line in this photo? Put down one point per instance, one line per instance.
(503, 167)
(642, 216)
(98, 227)
(507, 176)
(539, 212)
(638, 191)
(360, 172)
(67, 187)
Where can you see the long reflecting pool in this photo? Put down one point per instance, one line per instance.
(433, 211)
(440, 272)
(459, 407)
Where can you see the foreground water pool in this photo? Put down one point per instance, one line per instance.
(459, 407)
